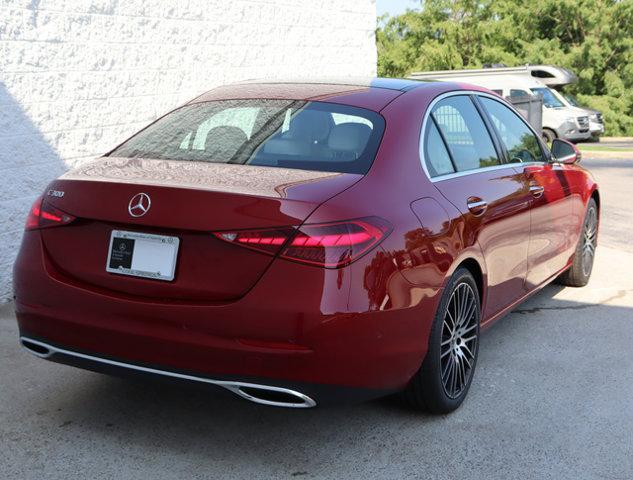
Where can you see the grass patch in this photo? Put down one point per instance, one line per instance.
(600, 148)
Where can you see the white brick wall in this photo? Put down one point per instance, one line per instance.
(79, 76)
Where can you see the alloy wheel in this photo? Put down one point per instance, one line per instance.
(459, 340)
(590, 231)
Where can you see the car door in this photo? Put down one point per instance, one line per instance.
(492, 197)
(552, 223)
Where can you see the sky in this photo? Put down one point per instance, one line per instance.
(394, 7)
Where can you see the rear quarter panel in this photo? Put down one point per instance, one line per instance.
(429, 234)
(582, 186)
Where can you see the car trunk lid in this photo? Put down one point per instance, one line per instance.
(189, 200)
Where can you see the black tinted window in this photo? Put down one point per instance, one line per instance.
(438, 162)
(520, 142)
(549, 99)
(518, 93)
(466, 135)
(276, 133)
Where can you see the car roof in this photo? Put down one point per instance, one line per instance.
(372, 93)
(400, 84)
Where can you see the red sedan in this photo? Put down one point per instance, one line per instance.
(299, 243)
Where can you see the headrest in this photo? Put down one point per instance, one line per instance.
(224, 141)
(310, 126)
(351, 137)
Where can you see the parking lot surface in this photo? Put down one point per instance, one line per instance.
(551, 398)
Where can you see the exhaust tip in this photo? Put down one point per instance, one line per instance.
(36, 348)
(271, 396)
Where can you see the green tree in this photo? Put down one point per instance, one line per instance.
(593, 38)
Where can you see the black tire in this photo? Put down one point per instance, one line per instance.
(430, 388)
(580, 271)
(548, 136)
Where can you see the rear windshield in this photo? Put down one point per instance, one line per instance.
(274, 133)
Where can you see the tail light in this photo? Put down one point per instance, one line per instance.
(330, 245)
(44, 215)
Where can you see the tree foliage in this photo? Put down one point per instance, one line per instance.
(593, 38)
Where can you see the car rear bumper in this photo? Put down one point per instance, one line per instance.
(268, 392)
(301, 336)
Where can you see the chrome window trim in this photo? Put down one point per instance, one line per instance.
(474, 171)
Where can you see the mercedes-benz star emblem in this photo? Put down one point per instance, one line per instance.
(139, 205)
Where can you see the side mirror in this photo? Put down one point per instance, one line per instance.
(565, 152)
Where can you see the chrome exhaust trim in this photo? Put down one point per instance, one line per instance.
(38, 349)
(262, 394)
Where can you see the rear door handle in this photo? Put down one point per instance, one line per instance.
(537, 191)
(477, 206)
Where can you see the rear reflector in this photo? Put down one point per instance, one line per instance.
(330, 245)
(44, 215)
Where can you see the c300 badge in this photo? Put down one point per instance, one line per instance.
(55, 193)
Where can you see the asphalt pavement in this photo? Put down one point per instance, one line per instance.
(551, 398)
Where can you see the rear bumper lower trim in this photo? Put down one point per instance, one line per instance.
(245, 390)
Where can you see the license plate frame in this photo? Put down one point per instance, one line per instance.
(143, 255)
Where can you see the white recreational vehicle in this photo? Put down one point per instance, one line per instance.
(559, 120)
(558, 77)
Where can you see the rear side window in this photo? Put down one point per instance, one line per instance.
(520, 142)
(275, 133)
(438, 161)
(466, 135)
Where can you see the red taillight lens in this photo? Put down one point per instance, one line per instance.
(44, 215)
(267, 241)
(330, 245)
(33, 217)
(337, 244)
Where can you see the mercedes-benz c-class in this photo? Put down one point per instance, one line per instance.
(300, 243)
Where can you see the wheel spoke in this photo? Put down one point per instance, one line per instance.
(470, 313)
(446, 369)
(462, 376)
(457, 309)
(465, 347)
(472, 327)
(461, 372)
(448, 313)
(464, 303)
(469, 339)
(454, 380)
(468, 362)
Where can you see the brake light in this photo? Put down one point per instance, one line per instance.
(44, 215)
(330, 245)
(267, 241)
